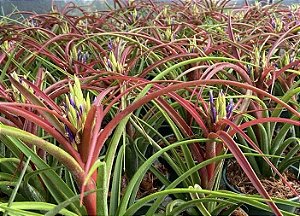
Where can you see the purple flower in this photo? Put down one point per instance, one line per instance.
(213, 110)
(79, 55)
(174, 36)
(229, 108)
(80, 109)
(85, 57)
(214, 113)
(70, 134)
(130, 19)
(34, 23)
(77, 114)
(211, 98)
(248, 69)
(72, 102)
(109, 64)
(273, 23)
(65, 106)
(292, 57)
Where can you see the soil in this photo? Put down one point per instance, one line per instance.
(275, 187)
(239, 212)
(150, 183)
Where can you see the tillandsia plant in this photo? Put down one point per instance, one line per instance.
(68, 130)
(273, 134)
(223, 135)
(134, 110)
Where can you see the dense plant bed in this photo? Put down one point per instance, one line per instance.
(134, 110)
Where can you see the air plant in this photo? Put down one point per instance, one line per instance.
(76, 109)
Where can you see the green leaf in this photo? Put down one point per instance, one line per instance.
(56, 186)
(102, 193)
(13, 195)
(116, 183)
(137, 178)
(40, 206)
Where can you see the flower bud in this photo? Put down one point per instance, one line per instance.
(221, 106)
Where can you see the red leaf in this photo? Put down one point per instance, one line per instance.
(46, 126)
(43, 96)
(220, 66)
(231, 36)
(238, 129)
(245, 165)
(264, 120)
(169, 90)
(83, 147)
